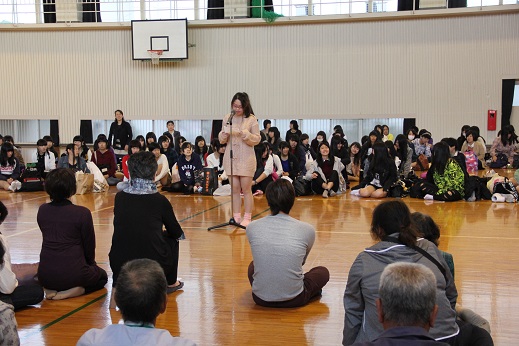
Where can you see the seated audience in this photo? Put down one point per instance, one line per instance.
(462, 138)
(266, 126)
(353, 168)
(445, 179)
(411, 136)
(289, 162)
(380, 176)
(405, 154)
(324, 172)
(216, 160)
(274, 138)
(17, 293)
(105, 160)
(140, 215)
(84, 151)
(321, 137)
(72, 160)
(391, 223)
(264, 168)
(341, 151)
(51, 148)
(17, 151)
(150, 138)
(456, 155)
(386, 136)
(9, 169)
(309, 152)
(505, 143)
(201, 149)
(67, 259)
(141, 297)
(166, 148)
(142, 141)
(406, 306)
(431, 231)
(367, 149)
(422, 146)
(162, 176)
(188, 165)
(44, 159)
(472, 144)
(133, 147)
(294, 130)
(280, 245)
(299, 152)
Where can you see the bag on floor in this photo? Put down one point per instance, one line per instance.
(84, 183)
(302, 187)
(210, 183)
(501, 161)
(31, 179)
(506, 187)
(422, 164)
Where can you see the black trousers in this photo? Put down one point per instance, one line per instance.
(317, 183)
(103, 279)
(24, 295)
(470, 335)
(431, 189)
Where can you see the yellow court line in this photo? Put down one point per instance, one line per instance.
(22, 232)
(443, 236)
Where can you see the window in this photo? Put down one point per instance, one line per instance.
(25, 131)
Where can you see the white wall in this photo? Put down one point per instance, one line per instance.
(446, 72)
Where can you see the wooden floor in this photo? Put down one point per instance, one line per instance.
(216, 307)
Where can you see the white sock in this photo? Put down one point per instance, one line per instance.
(429, 197)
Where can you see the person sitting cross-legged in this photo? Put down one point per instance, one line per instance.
(406, 306)
(141, 296)
(280, 245)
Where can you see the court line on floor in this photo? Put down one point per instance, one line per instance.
(59, 319)
(22, 232)
(26, 200)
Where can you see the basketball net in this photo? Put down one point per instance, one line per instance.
(155, 56)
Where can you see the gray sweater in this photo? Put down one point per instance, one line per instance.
(280, 245)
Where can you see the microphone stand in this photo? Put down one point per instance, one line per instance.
(232, 221)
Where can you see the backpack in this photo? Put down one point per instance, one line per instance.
(471, 161)
(31, 179)
(501, 161)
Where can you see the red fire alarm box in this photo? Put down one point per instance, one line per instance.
(492, 115)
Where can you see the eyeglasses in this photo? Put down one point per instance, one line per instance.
(237, 106)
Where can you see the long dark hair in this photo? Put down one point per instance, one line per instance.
(320, 156)
(505, 131)
(4, 159)
(197, 148)
(381, 160)
(138, 138)
(71, 147)
(402, 147)
(216, 146)
(259, 150)
(357, 156)
(245, 103)
(393, 217)
(150, 135)
(440, 156)
(277, 135)
(161, 140)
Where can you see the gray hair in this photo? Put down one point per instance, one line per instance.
(142, 165)
(141, 290)
(408, 293)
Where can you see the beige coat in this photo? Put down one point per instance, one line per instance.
(245, 135)
(478, 149)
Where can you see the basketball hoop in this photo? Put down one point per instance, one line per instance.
(155, 56)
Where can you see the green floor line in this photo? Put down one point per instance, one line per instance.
(64, 316)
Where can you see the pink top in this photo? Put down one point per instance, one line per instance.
(245, 135)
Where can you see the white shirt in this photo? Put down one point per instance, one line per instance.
(50, 160)
(126, 335)
(8, 280)
(163, 160)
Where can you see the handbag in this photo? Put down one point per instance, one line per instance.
(84, 183)
(422, 164)
(31, 179)
(501, 161)
(302, 187)
(506, 187)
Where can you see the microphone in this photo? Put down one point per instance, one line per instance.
(229, 121)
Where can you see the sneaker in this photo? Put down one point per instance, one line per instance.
(11, 187)
(325, 194)
(18, 185)
(332, 193)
